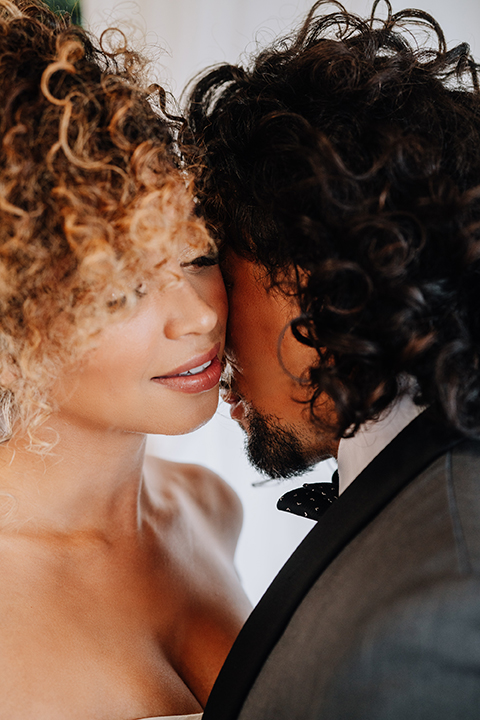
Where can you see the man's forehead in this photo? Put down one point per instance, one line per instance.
(238, 269)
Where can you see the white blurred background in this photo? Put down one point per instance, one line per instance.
(182, 37)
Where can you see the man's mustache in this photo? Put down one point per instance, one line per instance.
(226, 378)
(228, 386)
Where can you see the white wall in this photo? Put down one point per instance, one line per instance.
(183, 37)
(195, 33)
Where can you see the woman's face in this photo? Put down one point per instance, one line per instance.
(157, 371)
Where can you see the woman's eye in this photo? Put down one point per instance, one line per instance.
(202, 261)
(141, 289)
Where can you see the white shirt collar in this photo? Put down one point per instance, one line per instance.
(355, 453)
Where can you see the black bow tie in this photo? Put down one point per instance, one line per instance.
(312, 500)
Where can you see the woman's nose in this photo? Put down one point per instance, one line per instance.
(189, 312)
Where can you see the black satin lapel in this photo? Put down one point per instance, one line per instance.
(412, 451)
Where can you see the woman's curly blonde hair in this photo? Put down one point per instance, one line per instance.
(91, 182)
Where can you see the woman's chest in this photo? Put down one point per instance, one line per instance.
(114, 640)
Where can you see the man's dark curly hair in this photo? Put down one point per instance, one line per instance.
(351, 151)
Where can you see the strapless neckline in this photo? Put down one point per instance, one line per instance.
(196, 716)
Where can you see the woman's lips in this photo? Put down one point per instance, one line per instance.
(197, 376)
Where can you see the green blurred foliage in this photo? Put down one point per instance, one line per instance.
(71, 6)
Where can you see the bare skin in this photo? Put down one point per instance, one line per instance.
(257, 327)
(119, 599)
(128, 606)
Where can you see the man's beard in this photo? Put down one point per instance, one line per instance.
(274, 450)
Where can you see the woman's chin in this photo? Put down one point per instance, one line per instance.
(191, 418)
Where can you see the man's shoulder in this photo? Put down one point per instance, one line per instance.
(420, 658)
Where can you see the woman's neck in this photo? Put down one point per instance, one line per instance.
(90, 481)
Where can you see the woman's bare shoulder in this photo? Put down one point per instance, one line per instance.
(210, 494)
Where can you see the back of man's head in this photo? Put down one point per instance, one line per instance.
(351, 152)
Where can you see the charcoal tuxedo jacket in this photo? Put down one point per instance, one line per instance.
(376, 616)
